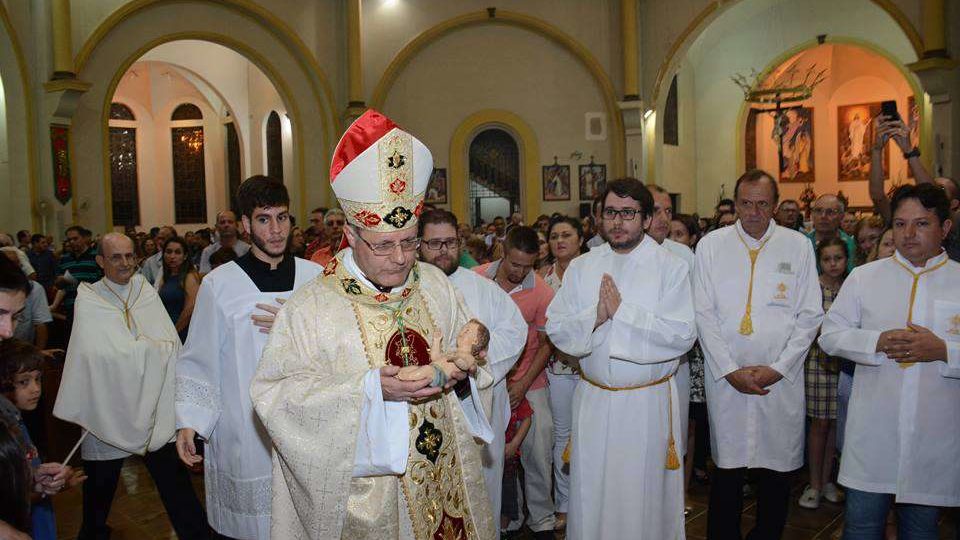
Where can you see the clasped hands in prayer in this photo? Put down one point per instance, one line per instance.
(608, 302)
(912, 344)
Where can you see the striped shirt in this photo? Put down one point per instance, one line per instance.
(82, 267)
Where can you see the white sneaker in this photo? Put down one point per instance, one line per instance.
(810, 498)
(832, 493)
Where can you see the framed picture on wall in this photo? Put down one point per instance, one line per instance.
(593, 180)
(855, 135)
(913, 124)
(437, 188)
(556, 182)
(796, 142)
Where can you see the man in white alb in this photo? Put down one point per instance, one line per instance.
(898, 318)
(758, 305)
(440, 246)
(625, 309)
(216, 365)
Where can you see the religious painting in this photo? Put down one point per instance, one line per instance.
(437, 188)
(60, 148)
(913, 124)
(556, 182)
(593, 180)
(855, 135)
(795, 129)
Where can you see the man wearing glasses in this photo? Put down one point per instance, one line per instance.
(490, 304)
(625, 309)
(828, 211)
(360, 453)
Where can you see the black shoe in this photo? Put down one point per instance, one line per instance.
(543, 535)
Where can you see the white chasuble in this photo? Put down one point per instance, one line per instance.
(626, 407)
(901, 436)
(346, 463)
(783, 302)
(213, 397)
(118, 379)
(489, 303)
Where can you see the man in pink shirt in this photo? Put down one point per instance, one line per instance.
(514, 273)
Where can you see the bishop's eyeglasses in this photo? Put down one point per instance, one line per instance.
(388, 248)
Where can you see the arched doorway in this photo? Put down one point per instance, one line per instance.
(494, 174)
(822, 144)
(143, 25)
(744, 37)
(192, 101)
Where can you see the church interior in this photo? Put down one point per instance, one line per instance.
(143, 113)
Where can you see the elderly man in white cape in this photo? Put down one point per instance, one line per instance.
(221, 355)
(118, 386)
(360, 453)
(626, 310)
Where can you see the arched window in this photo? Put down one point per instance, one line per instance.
(494, 175)
(671, 118)
(123, 166)
(119, 111)
(233, 165)
(189, 173)
(187, 111)
(274, 146)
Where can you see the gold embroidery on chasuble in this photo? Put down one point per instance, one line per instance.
(396, 329)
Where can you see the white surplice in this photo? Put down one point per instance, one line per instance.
(901, 435)
(213, 398)
(750, 430)
(489, 303)
(619, 484)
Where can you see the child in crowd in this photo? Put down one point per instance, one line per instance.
(822, 373)
(20, 375)
(521, 418)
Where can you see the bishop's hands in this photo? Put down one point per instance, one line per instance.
(912, 344)
(753, 379)
(608, 302)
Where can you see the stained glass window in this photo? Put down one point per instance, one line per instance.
(233, 165)
(189, 177)
(123, 175)
(274, 146)
(187, 111)
(119, 111)
(671, 118)
(494, 170)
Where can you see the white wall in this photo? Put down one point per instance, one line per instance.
(524, 73)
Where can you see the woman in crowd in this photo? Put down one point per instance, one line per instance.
(178, 285)
(15, 480)
(685, 229)
(298, 246)
(884, 247)
(821, 376)
(867, 233)
(543, 257)
(565, 243)
(148, 247)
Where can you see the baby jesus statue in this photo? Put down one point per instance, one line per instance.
(472, 342)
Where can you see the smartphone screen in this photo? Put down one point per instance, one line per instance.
(889, 109)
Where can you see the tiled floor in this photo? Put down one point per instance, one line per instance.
(138, 514)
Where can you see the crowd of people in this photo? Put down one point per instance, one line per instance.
(628, 353)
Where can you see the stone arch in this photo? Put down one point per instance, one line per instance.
(268, 43)
(532, 24)
(24, 211)
(526, 139)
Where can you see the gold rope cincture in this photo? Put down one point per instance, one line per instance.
(673, 460)
(746, 323)
(913, 295)
(126, 303)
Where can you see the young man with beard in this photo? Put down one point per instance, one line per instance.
(514, 274)
(440, 246)
(216, 365)
(625, 310)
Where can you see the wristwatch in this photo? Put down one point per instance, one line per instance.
(911, 154)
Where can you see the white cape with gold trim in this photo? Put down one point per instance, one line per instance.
(118, 383)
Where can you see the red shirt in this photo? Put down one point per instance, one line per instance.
(532, 297)
(517, 415)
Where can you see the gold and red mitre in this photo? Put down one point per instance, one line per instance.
(380, 174)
